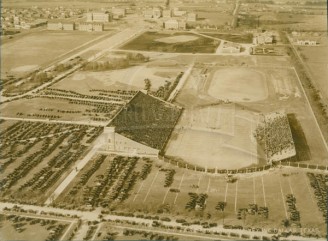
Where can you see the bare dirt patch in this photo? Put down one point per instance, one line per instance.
(177, 39)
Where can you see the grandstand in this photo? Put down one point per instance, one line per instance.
(275, 136)
(143, 126)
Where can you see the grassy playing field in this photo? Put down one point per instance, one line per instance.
(216, 136)
(40, 48)
(317, 60)
(237, 38)
(131, 78)
(153, 41)
(238, 85)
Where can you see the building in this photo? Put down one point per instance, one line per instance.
(263, 38)
(191, 17)
(98, 17)
(61, 25)
(229, 47)
(167, 13)
(173, 24)
(89, 27)
(86, 27)
(178, 13)
(98, 27)
(69, 26)
(142, 127)
(55, 26)
(157, 12)
(148, 13)
(310, 42)
(118, 13)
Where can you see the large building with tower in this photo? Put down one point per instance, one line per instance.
(142, 127)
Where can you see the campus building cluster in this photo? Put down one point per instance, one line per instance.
(32, 17)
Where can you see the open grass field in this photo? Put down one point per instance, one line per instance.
(215, 137)
(238, 85)
(40, 48)
(277, 89)
(266, 189)
(237, 38)
(317, 60)
(131, 78)
(153, 41)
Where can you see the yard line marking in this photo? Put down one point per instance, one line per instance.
(209, 184)
(263, 191)
(254, 190)
(226, 191)
(283, 198)
(97, 231)
(67, 231)
(135, 196)
(167, 192)
(236, 196)
(200, 177)
(151, 186)
(290, 185)
(176, 196)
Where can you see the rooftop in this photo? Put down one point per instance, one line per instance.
(147, 120)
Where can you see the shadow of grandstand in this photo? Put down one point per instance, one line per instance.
(302, 149)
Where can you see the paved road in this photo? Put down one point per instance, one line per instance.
(99, 142)
(93, 215)
(181, 83)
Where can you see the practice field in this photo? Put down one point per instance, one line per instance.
(317, 60)
(215, 137)
(238, 84)
(34, 50)
(175, 43)
(124, 79)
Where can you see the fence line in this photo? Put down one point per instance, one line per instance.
(182, 164)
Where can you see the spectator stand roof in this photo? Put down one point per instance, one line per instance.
(147, 120)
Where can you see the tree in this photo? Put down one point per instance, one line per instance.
(286, 223)
(221, 207)
(147, 84)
